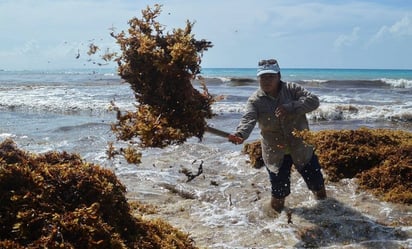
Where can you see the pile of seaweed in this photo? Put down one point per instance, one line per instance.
(381, 159)
(55, 200)
(160, 67)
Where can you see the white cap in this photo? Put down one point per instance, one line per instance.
(268, 67)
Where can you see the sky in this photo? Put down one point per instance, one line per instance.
(49, 34)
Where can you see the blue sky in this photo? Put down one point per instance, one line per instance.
(43, 34)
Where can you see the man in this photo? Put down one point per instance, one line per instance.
(280, 108)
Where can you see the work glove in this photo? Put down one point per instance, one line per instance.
(235, 138)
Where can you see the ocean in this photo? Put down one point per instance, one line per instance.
(68, 110)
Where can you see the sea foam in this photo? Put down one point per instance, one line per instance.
(398, 83)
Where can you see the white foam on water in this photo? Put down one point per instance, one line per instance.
(220, 78)
(62, 99)
(338, 110)
(398, 83)
(331, 112)
(335, 99)
(7, 135)
(224, 79)
(222, 107)
(213, 215)
(315, 81)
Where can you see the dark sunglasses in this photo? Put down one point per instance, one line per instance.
(268, 62)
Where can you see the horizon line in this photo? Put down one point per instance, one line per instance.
(285, 68)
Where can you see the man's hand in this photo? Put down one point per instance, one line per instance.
(235, 139)
(281, 112)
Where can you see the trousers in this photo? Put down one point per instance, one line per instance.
(311, 173)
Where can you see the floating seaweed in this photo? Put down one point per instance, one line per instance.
(380, 159)
(160, 67)
(56, 200)
(131, 155)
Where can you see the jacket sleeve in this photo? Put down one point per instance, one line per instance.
(248, 121)
(304, 101)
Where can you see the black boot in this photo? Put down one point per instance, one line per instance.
(277, 204)
(320, 194)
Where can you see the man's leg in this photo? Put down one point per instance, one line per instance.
(280, 183)
(313, 177)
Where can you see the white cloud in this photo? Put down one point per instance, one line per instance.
(347, 40)
(403, 27)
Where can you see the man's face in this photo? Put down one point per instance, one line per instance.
(269, 82)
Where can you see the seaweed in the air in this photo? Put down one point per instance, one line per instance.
(254, 151)
(160, 66)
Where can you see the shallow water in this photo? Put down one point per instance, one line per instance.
(231, 210)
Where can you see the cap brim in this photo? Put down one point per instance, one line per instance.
(267, 72)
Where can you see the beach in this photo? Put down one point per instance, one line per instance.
(226, 206)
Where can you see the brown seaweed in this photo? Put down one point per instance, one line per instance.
(380, 159)
(254, 151)
(56, 200)
(160, 67)
(393, 175)
(181, 192)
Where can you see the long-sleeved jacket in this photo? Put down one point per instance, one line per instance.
(277, 138)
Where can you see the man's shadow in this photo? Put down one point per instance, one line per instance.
(337, 224)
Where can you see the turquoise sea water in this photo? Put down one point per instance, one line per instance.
(316, 74)
(287, 73)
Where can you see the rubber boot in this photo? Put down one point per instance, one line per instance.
(277, 204)
(321, 194)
